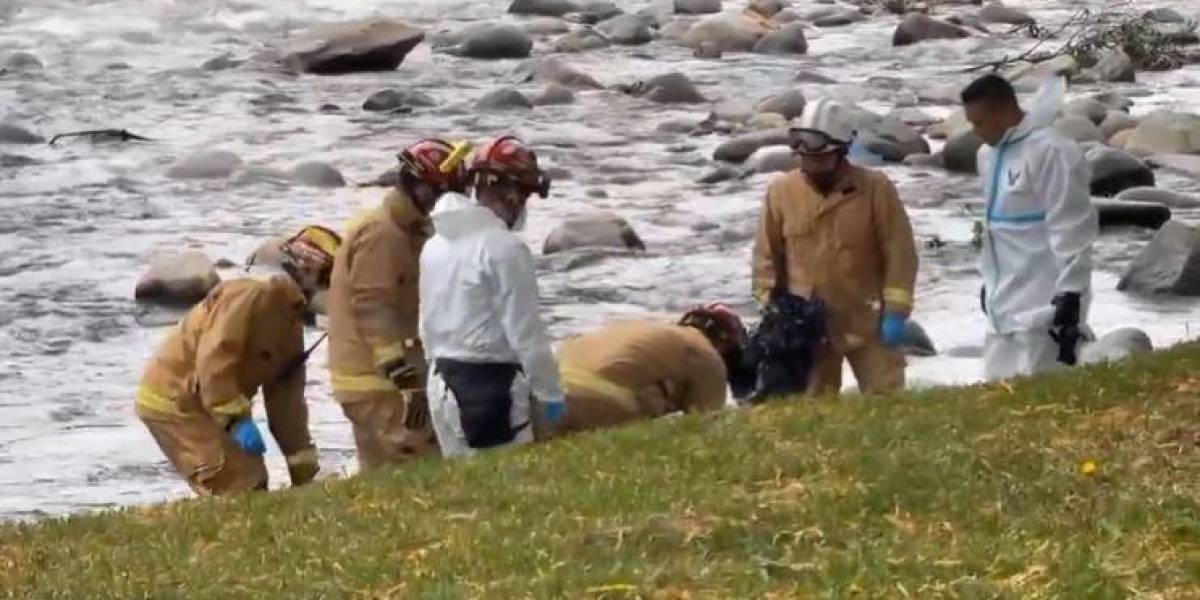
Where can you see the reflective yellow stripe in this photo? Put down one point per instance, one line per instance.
(156, 401)
(232, 408)
(305, 456)
(344, 382)
(582, 380)
(390, 352)
(899, 296)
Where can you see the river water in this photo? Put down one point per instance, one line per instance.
(79, 227)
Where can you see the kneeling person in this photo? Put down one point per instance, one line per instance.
(246, 334)
(635, 370)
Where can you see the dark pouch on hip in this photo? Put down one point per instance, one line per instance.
(484, 395)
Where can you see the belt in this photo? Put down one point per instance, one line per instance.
(579, 379)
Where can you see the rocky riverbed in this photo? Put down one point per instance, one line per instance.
(659, 119)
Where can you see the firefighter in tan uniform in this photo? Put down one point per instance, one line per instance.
(838, 232)
(634, 370)
(375, 354)
(247, 334)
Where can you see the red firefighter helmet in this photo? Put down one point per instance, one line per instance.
(508, 159)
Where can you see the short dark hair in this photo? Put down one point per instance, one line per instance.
(990, 88)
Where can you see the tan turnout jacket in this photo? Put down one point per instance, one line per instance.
(239, 339)
(853, 249)
(373, 303)
(636, 370)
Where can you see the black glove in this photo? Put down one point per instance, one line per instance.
(399, 372)
(983, 299)
(1065, 330)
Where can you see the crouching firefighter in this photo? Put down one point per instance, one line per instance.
(479, 309)
(375, 354)
(247, 334)
(634, 370)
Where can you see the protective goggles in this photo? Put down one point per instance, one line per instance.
(539, 185)
(814, 141)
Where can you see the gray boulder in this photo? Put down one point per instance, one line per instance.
(214, 164)
(670, 88)
(14, 134)
(1116, 121)
(1165, 132)
(544, 8)
(1165, 15)
(23, 62)
(177, 279)
(368, 45)
(1114, 101)
(223, 62)
(1090, 108)
(1169, 264)
(772, 159)
(1113, 66)
(392, 99)
(740, 148)
(788, 39)
(790, 104)
(1116, 345)
(697, 7)
(960, 152)
(835, 17)
(995, 12)
(1159, 196)
(768, 8)
(722, 172)
(554, 94)
(1034, 73)
(916, 28)
(726, 32)
(317, 174)
(546, 26)
(708, 51)
(595, 230)
(553, 70)
(627, 30)
(503, 99)
(1114, 171)
(16, 161)
(595, 12)
(1120, 213)
(1080, 129)
(582, 40)
(493, 42)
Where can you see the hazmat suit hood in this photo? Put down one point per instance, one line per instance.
(1042, 109)
(457, 215)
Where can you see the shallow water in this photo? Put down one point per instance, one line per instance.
(80, 226)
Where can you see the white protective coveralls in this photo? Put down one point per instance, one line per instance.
(479, 305)
(1040, 226)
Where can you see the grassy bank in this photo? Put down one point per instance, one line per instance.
(1081, 485)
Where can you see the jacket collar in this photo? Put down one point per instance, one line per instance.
(403, 212)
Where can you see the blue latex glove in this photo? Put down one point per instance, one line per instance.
(552, 411)
(891, 330)
(246, 434)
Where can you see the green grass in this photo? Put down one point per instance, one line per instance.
(957, 493)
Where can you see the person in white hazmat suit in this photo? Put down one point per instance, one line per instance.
(488, 347)
(1039, 229)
